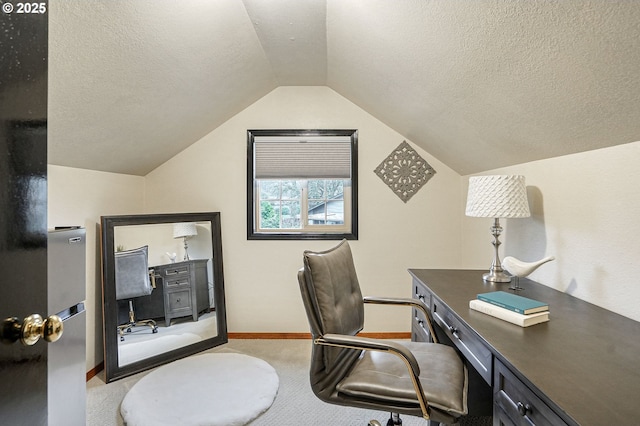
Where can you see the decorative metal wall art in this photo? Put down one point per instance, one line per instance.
(404, 171)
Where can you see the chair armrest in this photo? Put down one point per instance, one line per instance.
(368, 344)
(405, 301)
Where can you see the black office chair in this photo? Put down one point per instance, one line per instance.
(428, 380)
(132, 280)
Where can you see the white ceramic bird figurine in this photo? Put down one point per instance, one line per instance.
(172, 256)
(519, 268)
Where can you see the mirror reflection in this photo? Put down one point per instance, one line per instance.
(164, 299)
(164, 288)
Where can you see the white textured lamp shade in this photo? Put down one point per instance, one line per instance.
(497, 196)
(186, 229)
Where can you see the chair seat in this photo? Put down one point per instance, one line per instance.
(384, 377)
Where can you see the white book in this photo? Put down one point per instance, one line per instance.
(507, 315)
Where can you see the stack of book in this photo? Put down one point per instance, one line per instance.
(510, 307)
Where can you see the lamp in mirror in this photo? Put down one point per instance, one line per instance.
(185, 230)
(497, 196)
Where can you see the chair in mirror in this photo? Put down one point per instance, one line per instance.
(132, 282)
(163, 289)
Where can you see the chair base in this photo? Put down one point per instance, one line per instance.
(128, 326)
(394, 420)
(133, 322)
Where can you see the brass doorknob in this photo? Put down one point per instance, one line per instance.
(32, 329)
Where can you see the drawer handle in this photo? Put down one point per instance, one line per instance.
(523, 409)
(453, 330)
(420, 296)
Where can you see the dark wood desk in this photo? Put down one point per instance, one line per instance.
(580, 368)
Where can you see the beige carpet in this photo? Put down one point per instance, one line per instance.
(294, 405)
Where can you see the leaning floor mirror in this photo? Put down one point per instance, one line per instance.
(162, 289)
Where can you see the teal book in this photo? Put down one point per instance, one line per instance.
(513, 302)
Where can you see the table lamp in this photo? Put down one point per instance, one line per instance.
(498, 196)
(185, 230)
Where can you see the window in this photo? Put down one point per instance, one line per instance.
(302, 184)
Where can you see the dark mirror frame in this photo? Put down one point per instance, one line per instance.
(110, 306)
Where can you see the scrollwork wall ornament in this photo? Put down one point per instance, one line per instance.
(405, 171)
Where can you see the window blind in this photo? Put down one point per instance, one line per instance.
(302, 157)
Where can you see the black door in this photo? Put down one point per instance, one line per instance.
(23, 207)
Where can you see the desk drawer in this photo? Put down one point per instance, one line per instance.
(464, 339)
(419, 327)
(515, 404)
(179, 301)
(173, 271)
(421, 292)
(178, 281)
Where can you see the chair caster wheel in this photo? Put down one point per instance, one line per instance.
(155, 330)
(122, 338)
(394, 420)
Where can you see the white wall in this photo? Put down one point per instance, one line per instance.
(585, 211)
(159, 238)
(260, 276)
(584, 207)
(80, 197)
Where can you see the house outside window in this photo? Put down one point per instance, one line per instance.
(301, 184)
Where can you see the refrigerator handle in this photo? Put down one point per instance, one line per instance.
(71, 311)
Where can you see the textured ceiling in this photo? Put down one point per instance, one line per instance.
(479, 85)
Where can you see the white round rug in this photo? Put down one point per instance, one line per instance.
(219, 389)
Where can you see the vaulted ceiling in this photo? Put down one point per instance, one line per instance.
(478, 85)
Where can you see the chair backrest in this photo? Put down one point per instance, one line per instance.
(132, 273)
(333, 302)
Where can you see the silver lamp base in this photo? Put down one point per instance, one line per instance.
(186, 249)
(496, 277)
(496, 273)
